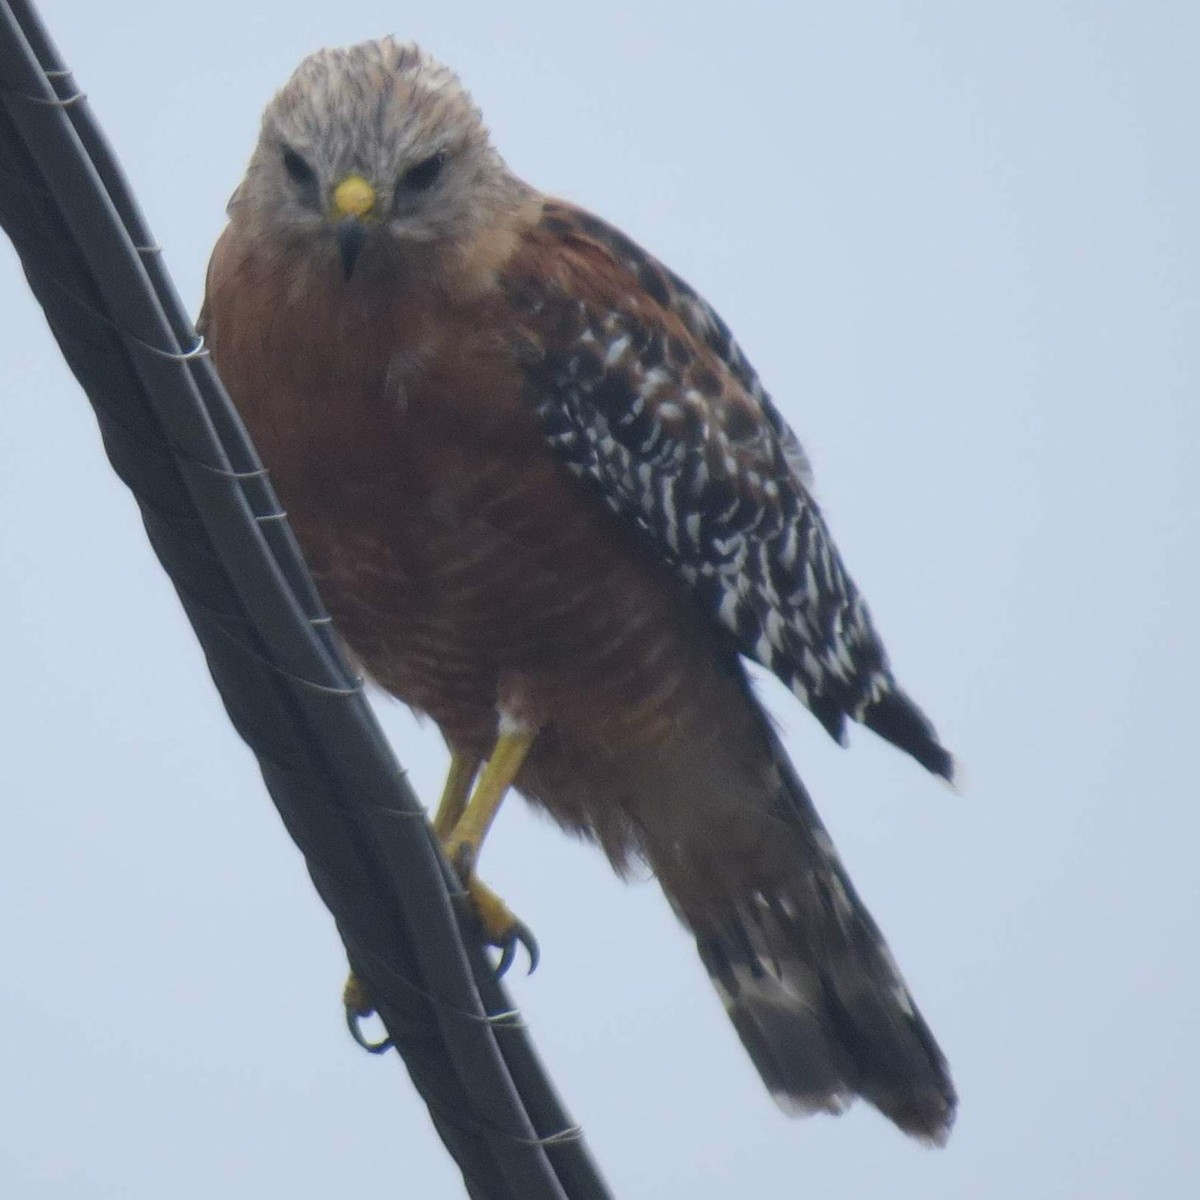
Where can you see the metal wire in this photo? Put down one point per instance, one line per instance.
(213, 519)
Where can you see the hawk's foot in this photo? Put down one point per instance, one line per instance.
(358, 1005)
(500, 927)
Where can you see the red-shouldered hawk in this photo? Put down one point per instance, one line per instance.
(548, 502)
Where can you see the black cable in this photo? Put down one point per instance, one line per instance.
(215, 524)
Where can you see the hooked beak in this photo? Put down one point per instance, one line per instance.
(354, 201)
(351, 233)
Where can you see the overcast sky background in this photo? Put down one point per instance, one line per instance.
(959, 241)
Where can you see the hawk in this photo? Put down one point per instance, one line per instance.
(549, 504)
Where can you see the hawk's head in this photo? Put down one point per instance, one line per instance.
(374, 149)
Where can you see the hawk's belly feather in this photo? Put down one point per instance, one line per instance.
(470, 572)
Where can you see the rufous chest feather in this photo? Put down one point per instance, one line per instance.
(451, 546)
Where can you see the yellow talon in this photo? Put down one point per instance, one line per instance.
(494, 915)
(355, 998)
(500, 927)
(358, 1005)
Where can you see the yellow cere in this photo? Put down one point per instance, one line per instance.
(353, 197)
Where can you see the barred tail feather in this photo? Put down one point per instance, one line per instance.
(814, 993)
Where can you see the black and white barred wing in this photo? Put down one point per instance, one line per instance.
(644, 394)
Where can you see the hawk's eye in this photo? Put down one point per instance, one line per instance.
(424, 174)
(302, 175)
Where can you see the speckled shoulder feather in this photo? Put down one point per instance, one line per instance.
(643, 393)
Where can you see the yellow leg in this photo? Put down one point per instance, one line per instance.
(454, 794)
(465, 839)
(462, 845)
(461, 824)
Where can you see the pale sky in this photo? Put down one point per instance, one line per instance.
(959, 241)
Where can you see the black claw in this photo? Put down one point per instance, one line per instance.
(508, 951)
(525, 934)
(519, 935)
(354, 1024)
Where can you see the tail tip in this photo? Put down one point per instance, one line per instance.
(927, 1119)
(927, 1115)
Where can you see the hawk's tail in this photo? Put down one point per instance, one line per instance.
(812, 988)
